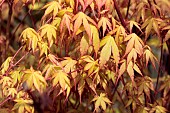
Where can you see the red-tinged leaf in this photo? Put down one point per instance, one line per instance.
(84, 44)
(82, 18)
(100, 3)
(148, 30)
(167, 36)
(78, 21)
(104, 22)
(136, 68)
(139, 47)
(87, 2)
(129, 46)
(131, 55)
(65, 21)
(122, 69)
(87, 28)
(148, 55)
(134, 41)
(130, 71)
(156, 27)
(81, 86)
(133, 23)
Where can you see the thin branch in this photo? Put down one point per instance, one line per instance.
(16, 53)
(32, 19)
(13, 65)
(120, 16)
(4, 101)
(160, 69)
(10, 4)
(2, 2)
(128, 7)
(19, 25)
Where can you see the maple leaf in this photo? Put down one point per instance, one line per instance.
(130, 67)
(62, 79)
(31, 38)
(96, 40)
(52, 7)
(85, 3)
(109, 46)
(23, 105)
(100, 3)
(134, 42)
(68, 64)
(133, 23)
(101, 100)
(80, 19)
(34, 79)
(43, 48)
(48, 32)
(104, 22)
(149, 24)
(65, 21)
(84, 44)
(81, 86)
(149, 56)
(5, 65)
(167, 36)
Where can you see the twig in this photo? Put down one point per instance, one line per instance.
(159, 70)
(3, 102)
(16, 53)
(120, 16)
(19, 25)
(13, 65)
(10, 4)
(128, 9)
(2, 2)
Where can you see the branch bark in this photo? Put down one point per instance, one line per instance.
(120, 16)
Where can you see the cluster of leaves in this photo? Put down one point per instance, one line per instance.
(89, 55)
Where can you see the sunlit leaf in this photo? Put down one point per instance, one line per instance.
(80, 18)
(48, 32)
(104, 22)
(52, 8)
(34, 79)
(108, 48)
(5, 65)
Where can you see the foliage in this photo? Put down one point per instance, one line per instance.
(71, 56)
